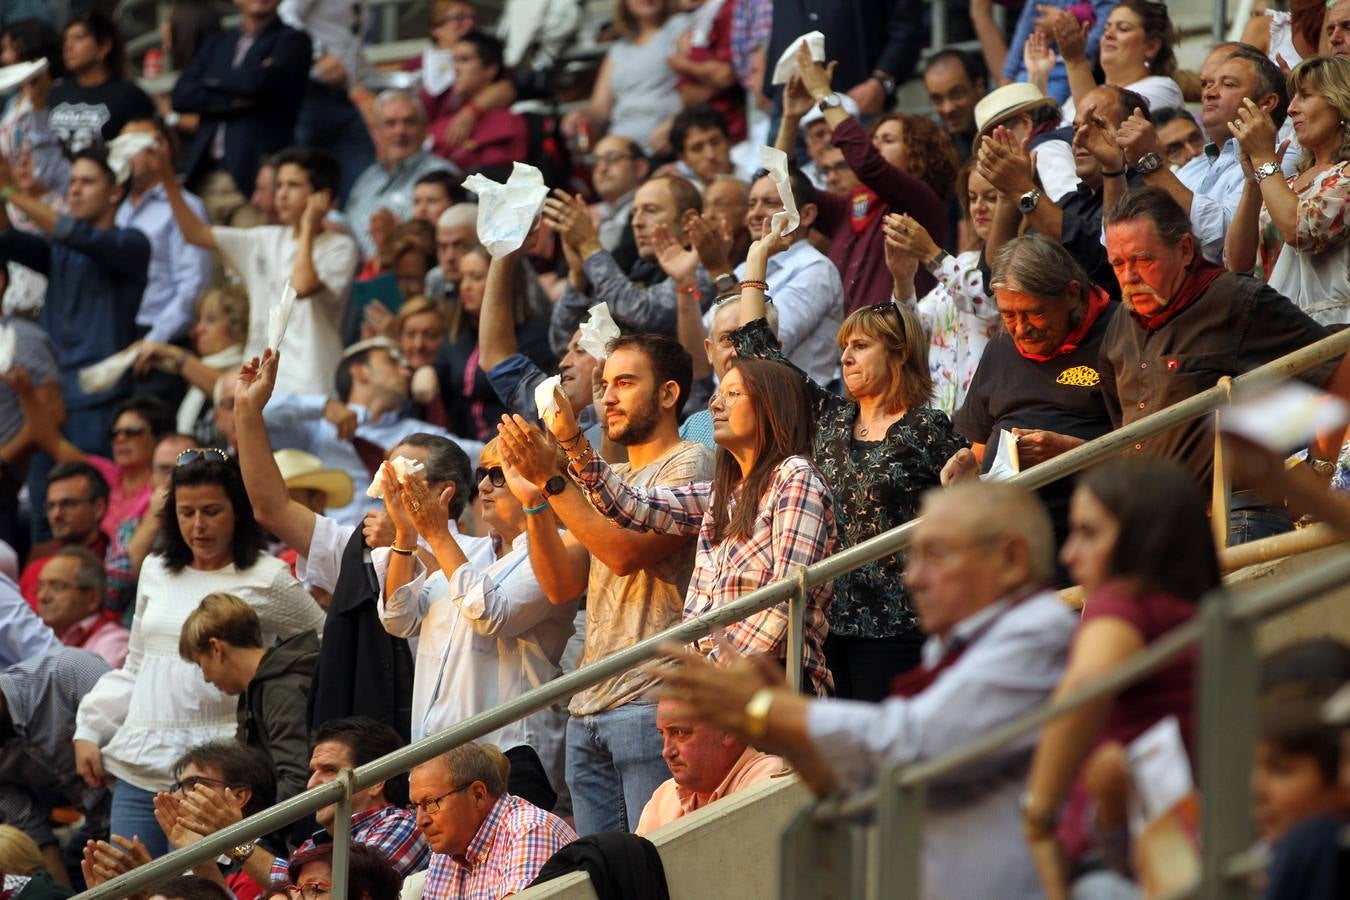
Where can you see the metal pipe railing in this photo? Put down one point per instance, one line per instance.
(828, 569)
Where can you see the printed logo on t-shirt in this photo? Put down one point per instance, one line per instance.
(1079, 376)
(79, 125)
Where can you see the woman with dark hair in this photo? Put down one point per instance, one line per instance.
(766, 512)
(369, 874)
(879, 448)
(1142, 547)
(91, 104)
(1135, 53)
(138, 720)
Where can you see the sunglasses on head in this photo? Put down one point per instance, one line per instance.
(493, 474)
(885, 306)
(205, 454)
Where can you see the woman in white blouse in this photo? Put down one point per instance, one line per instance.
(141, 718)
(958, 314)
(1135, 53)
(1299, 224)
(484, 636)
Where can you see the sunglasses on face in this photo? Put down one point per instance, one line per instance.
(205, 454)
(493, 474)
(130, 431)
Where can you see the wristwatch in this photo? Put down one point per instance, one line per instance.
(1037, 823)
(1264, 171)
(1027, 202)
(829, 101)
(242, 852)
(887, 82)
(1149, 162)
(725, 283)
(1323, 467)
(757, 714)
(554, 486)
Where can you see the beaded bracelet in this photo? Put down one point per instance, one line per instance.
(762, 285)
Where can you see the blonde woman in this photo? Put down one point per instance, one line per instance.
(1298, 224)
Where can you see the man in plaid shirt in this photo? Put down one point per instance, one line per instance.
(487, 844)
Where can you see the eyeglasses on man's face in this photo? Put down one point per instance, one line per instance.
(432, 805)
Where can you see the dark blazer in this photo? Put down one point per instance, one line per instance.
(259, 101)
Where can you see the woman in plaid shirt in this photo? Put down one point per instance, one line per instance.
(766, 512)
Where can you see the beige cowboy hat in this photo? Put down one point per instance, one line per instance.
(305, 471)
(1006, 102)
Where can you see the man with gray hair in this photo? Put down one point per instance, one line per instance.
(977, 569)
(456, 235)
(1037, 380)
(70, 592)
(382, 195)
(485, 842)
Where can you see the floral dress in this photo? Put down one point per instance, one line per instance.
(960, 319)
(877, 485)
(1314, 272)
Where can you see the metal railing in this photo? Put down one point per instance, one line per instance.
(792, 589)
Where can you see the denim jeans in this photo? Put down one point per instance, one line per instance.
(1247, 525)
(133, 815)
(614, 764)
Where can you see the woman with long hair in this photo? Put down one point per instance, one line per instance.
(766, 512)
(878, 448)
(1298, 224)
(1141, 546)
(138, 720)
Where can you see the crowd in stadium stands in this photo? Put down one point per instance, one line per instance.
(236, 560)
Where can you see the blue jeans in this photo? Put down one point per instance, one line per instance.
(1247, 525)
(614, 764)
(133, 815)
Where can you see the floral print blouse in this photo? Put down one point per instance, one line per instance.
(1314, 272)
(960, 319)
(877, 485)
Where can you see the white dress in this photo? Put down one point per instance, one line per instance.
(145, 715)
(1314, 272)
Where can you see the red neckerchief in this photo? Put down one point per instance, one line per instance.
(1201, 275)
(918, 679)
(1097, 302)
(863, 208)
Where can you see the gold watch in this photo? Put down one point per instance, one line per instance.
(757, 713)
(242, 852)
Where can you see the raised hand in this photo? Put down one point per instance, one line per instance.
(257, 379)
(1039, 59)
(909, 236)
(317, 206)
(711, 239)
(1255, 132)
(571, 218)
(797, 100)
(1005, 163)
(773, 241)
(815, 77)
(1063, 27)
(394, 505)
(525, 448)
(678, 261)
(521, 487)
(1137, 137)
(1098, 136)
(430, 514)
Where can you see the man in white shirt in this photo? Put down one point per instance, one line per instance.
(372, 379)
(1209, 186)
(997, 645)
(318, 264)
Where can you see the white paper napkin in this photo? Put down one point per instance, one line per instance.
(8, 344)
(1285, 418)
(544, 400)
(787, 63)
(122, 148)
(597, 331)
(403, 469)
(1005, 464)
(279, 316)
(775, 161)
(103, 375)
(506, 212)
(19, 73)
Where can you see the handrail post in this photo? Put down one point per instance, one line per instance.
(796, 634)
(817, 858)
(342, 837)
(1227, 702)
(898, 867)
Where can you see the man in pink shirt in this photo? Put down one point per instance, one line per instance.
(70, 591)
(705, 764)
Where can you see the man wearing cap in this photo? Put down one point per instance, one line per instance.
(372, 379)
(1033, 120)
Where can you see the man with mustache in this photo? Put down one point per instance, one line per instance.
(1187, 323)
(1039, 379)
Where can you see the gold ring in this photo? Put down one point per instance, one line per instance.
(416, 505)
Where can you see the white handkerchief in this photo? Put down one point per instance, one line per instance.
(123, 147)
(506, 212)
(597, 331)
(787, 63)
(1005, 464)
(279, 316)
(103, 375)
(7, 346)
(775, 161)
(15, 75)
(1161, 769)
(544, 400)
(403, 468)
(1285, 418)
(438, 70)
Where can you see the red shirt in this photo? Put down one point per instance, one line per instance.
(499, 137)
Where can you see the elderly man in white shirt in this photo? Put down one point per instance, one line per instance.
(998, 640)
(373, 377)
(1209, 186)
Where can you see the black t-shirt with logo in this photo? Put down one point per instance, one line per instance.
(83, 117)
(1063, 395)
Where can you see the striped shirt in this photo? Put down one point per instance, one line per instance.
(392, 830)
(510, 847)
(794, 526)
(380, 186)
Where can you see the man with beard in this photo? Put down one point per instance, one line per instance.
(636, 583)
